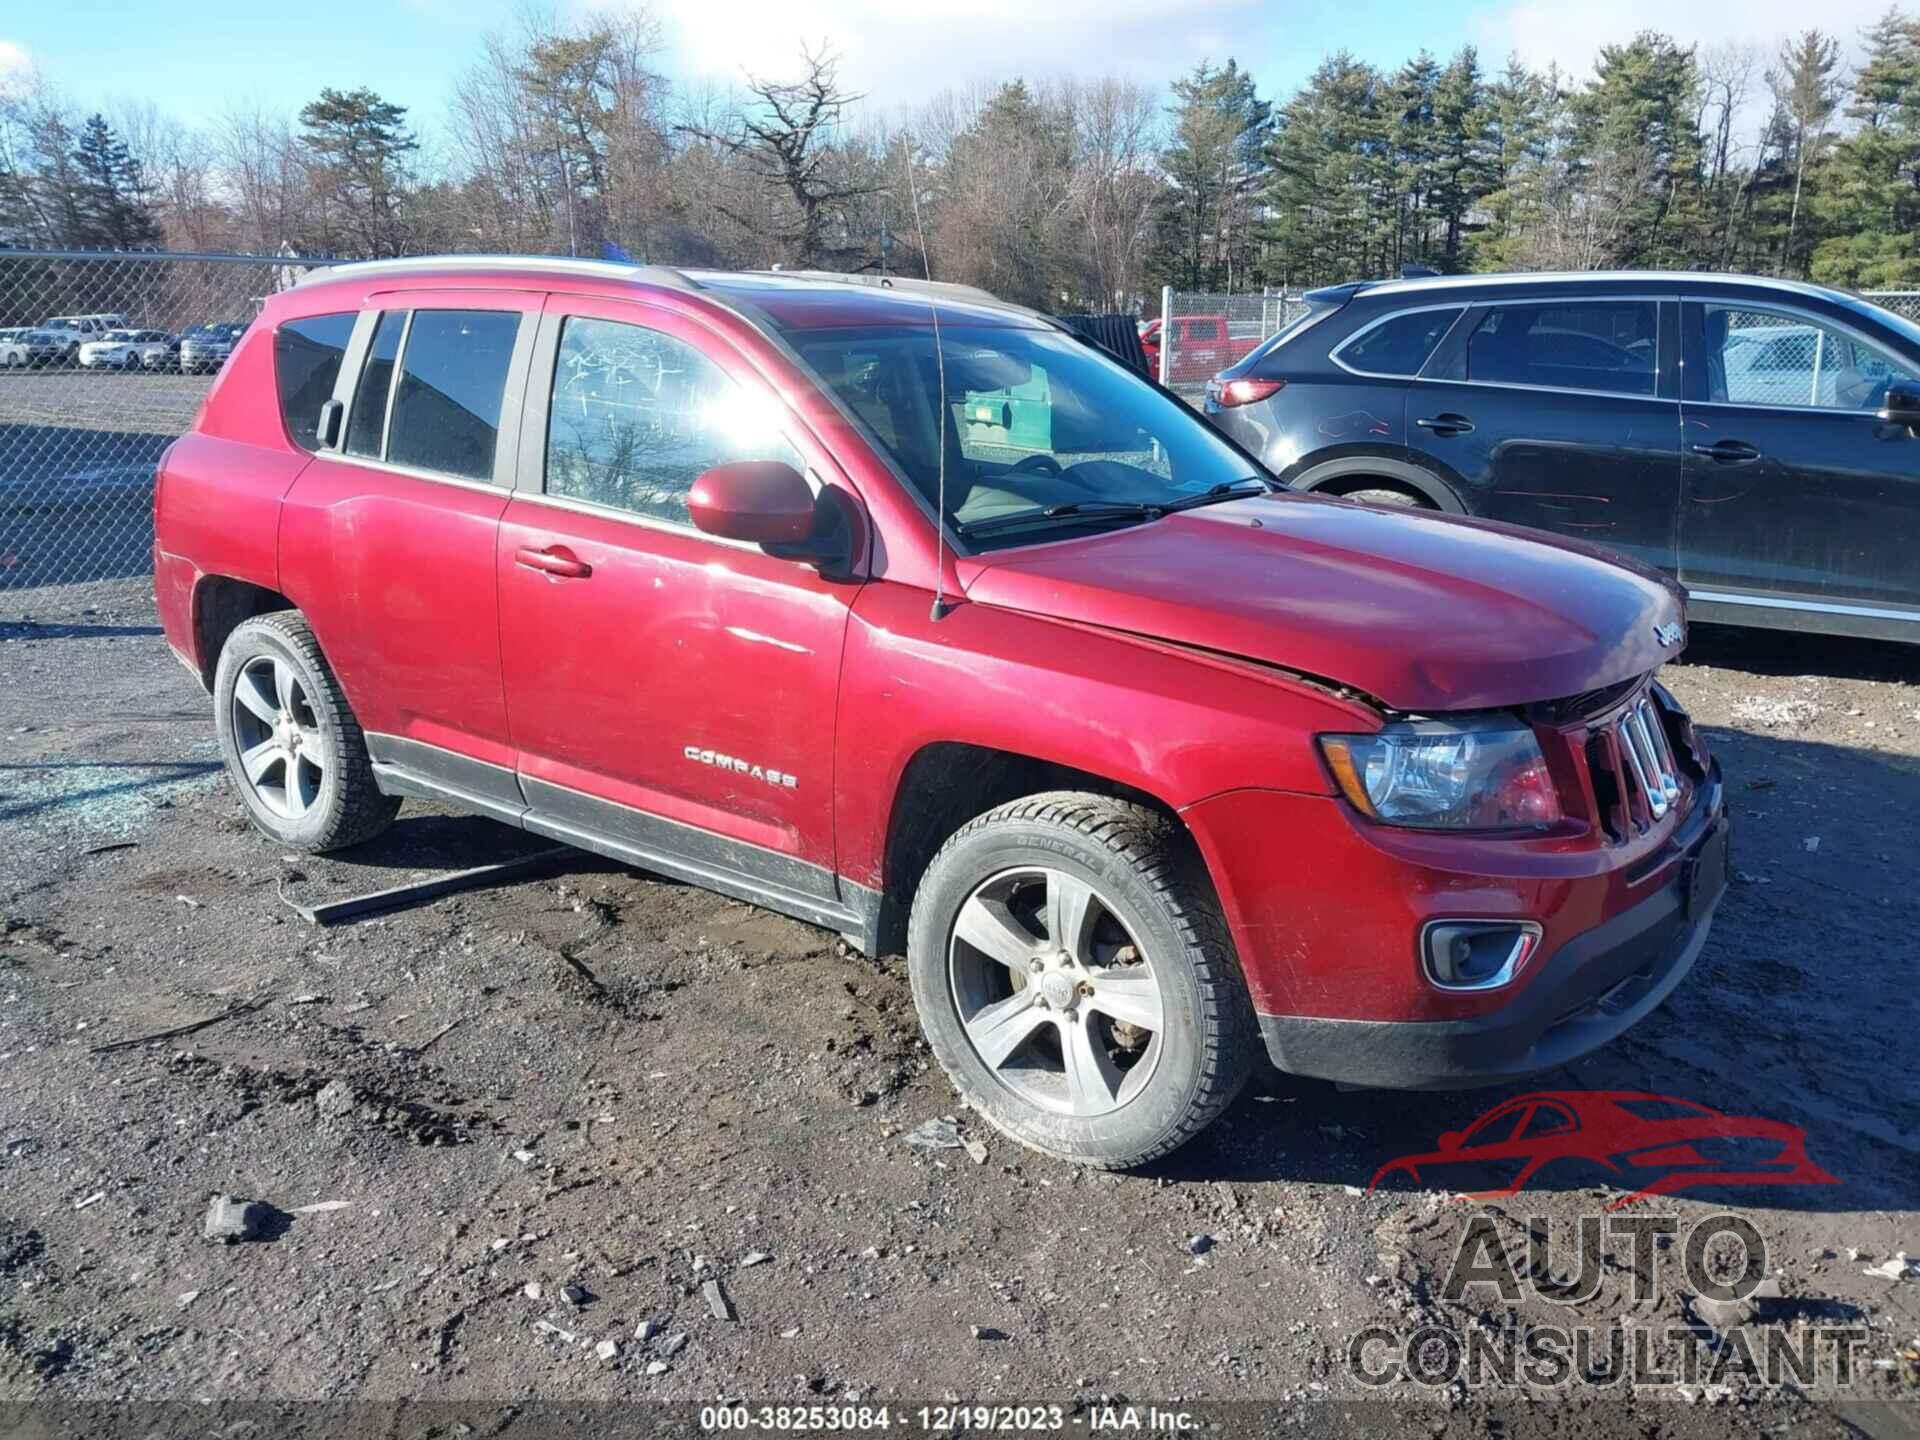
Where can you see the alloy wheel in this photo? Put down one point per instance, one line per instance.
(1056, 996)
(278, 737)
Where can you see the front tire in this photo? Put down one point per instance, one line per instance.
(1074, 977)
(1388, 495)
(292, 747)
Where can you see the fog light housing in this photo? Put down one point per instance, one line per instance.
(1476, 954)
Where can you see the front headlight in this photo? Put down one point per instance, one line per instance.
(1438, 775)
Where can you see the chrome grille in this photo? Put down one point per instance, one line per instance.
(1635, 773)
(1649, 757)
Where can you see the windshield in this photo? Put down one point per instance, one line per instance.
(1039, 426)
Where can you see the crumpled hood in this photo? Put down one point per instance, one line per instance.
(1423, 612)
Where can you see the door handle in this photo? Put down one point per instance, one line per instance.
(555, 560)
(1728, 452)
(1446, 424)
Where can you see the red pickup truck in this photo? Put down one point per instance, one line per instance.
(1147, 765)
(1202, 346)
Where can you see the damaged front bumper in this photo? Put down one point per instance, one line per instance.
(1593, 988)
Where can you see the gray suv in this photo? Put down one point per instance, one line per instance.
(1755, 437)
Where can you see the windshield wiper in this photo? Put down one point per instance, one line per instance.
(1071, 510)
(1226, 490)
(1118, 509)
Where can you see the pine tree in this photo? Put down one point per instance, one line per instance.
(1330, 196)
(1868, 203)
(1636, 151)
(361, 148)
(1415, 146)
(1215, 163)
(110, 209)
(1462, 166)
(1807, 96)
(1525, 112)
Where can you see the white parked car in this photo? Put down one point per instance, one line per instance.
(23, 347)
(73, 331)
(130, 350)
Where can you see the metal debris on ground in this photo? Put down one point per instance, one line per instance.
(335, 912)
(718, 1305)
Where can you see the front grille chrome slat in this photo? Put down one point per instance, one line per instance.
(1640, 774)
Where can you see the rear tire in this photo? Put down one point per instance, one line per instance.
(1101, 1017)
(292, 747)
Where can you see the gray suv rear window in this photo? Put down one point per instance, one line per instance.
(1400, 344)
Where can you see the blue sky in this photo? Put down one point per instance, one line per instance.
(204, 57)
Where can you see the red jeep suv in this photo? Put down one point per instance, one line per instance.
(907, 613)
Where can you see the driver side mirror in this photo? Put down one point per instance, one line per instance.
(1902, 405)
(1450, 1140)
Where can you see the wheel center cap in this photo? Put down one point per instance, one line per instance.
(1058, 987)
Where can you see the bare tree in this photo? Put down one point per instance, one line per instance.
(180, 169)
(265, 173)
(787, 137)
(1726, 85)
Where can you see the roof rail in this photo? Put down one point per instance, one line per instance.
(947, 288)
(481, 264)
(931, 289)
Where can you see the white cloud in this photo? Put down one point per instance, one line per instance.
(900, 55)
(15, 63)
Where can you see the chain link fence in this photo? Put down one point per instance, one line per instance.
(1901, 302)
(104, 359)
(1201, 333)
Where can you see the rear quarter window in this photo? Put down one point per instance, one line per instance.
(306, 363)
(1400, 344)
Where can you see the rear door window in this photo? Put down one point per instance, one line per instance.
(367, 424)
(1400, 344)
(1600, 345)
(306, 363)
(453, 378)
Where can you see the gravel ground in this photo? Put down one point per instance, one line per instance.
(602, 1080)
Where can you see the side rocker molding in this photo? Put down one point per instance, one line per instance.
(744, 871)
